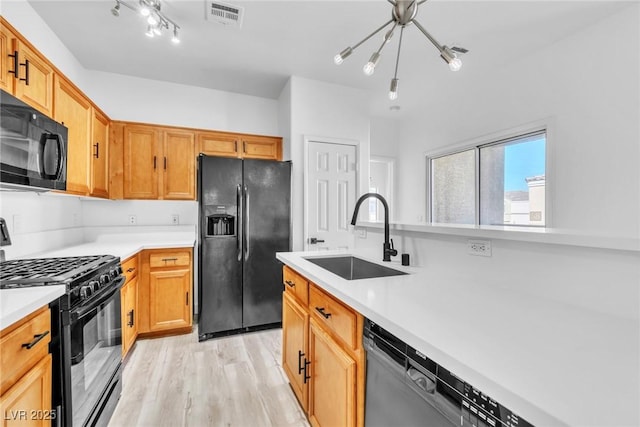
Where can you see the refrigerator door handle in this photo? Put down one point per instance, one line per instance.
(247, 223)
(240, 221)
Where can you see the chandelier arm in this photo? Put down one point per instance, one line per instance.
(431, 39)
(394, 3)
(395, 74)
(384, 42)
(421, 1)
(372, 34)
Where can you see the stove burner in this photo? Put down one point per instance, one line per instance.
(42, 271)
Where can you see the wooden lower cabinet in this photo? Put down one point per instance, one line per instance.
(332, 389)
(325, 367)
(28, 402)
(295, 327)
(165, 291)
(129, 297)
(25, 385)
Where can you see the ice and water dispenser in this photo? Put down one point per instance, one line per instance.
(221, 223)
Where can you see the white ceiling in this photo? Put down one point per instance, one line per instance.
(283, 38)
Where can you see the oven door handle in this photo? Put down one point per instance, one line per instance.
(82, 311)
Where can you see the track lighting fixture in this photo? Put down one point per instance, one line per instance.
(155, 20)
(403, 14)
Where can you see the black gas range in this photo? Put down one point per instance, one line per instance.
(86, 343)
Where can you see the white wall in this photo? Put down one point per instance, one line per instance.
(324, 110)
(587, 85)
(96, 213)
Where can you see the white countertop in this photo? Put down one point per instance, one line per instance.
(18, 303)
(551, 363)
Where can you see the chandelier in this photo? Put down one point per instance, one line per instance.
(151, 11)
(403, 13)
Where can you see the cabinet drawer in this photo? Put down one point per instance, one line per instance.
(22, 346)
(338, 318)
(130, 267)
(295, 284)
(169, 259)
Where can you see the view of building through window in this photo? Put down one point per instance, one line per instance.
(510, 180)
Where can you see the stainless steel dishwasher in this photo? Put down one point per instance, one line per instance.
(404, 388)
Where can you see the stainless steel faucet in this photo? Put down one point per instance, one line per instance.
(387, 247)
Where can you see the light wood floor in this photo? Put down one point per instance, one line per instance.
(231, 381)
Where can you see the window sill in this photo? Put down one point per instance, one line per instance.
(521, 234)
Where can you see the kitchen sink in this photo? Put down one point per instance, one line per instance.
(352, 268)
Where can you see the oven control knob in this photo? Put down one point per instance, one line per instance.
(113, 273)
(85, 292)
(104, 278)
(95, 285)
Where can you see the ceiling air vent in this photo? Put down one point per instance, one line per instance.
(224, 13)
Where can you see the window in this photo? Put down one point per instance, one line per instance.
(498, 183)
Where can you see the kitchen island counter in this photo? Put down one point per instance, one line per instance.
(551, 363)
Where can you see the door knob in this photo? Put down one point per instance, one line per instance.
(314, 240)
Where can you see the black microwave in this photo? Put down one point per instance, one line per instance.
(33, 148)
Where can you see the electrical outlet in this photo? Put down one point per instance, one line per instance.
(175, 219)
(132, 220)
(479, 247)
(362, 233)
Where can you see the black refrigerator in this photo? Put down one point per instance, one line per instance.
(244, 219)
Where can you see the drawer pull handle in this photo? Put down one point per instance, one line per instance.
(36, 340)
(290, 283)
(321, 311)
(130, 269)
(169, 259)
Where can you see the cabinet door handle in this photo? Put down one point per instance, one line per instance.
(244, 146)
(290, 283)
(36, 340)
(97, 152)
(321, 311)
(300, 368)
(130, 269)
(186, 301)
(165, 163)
(25, 64)
(235, 143)
(306, 376)
(130, 322)
(16, 63)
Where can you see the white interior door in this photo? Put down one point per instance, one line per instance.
(331, 194)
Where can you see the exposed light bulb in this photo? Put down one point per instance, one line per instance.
(339, 58)
(393, 90)
(370, 66)
(116, 10)
(145, 11)
(175, 39)
(150, 32)
(455, 64)
(152, 20)
(156, 30)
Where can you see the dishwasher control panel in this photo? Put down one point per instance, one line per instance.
(454, 398)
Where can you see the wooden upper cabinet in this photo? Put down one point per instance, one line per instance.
(6, 62)
(141, 152)
(100, 155)
(35, 85)
(74, 110)
(218, 144)
(178, 163)
(262, 147)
